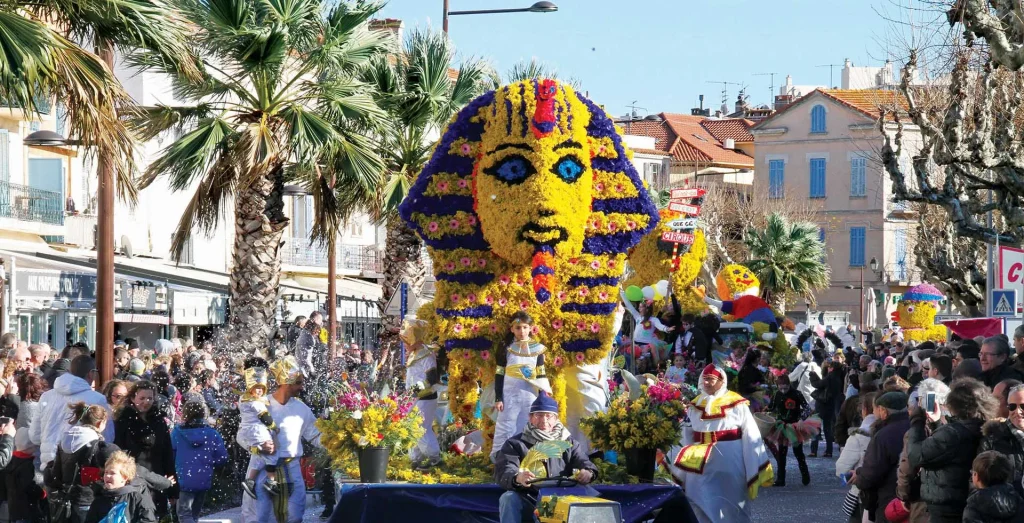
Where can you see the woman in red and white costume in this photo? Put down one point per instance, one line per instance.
(722, 461)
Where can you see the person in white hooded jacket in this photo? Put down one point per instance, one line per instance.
(51, 421)
(801, 376)
(853, 452)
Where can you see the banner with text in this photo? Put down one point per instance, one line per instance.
(1011, 272)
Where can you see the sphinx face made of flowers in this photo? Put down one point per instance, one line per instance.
(529, 202)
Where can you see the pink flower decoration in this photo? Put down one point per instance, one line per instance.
(595, 265)
(612, 226)
(432, 226)
(457, 328)
(595, 327)
(466, 354)
(580, 357)
(557, 324)
(534, 330)
(466, 148)
(502, 302)
(455, 298)
(449, 266)
(481, 263)
(619, 188)
(519, 281)
(603, 295)
(442, 186)
(524, 304)
(454, 223)
(611, 264)
(465, 261)
(489, 300)
(494, 328)
(474, 328)
(504, 280)
(561, 296)
(631, 225)
(584, 291)
(599, 186)
(471, 220)
(581, 325)
(463, 184)
(486, 354)
(471, 297)
(558, 361)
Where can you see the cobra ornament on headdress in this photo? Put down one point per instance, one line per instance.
(255, 377)
(286, 370)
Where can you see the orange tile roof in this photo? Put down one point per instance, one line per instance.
(689, 140)
(650, 151)
(868, 102)
(736, 128)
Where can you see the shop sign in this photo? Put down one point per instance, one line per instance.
(55, 285)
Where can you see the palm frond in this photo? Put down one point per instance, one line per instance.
(149, 122)
(191, 155)
(207, 204)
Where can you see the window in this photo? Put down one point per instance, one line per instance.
(817, 177)
(857, 246)
(776, 178)
(858, 173)
(900, 272)
(818, 119)
(302, 218)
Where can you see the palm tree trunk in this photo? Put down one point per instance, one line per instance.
(256, 263)
(777, 301)
(402, 260)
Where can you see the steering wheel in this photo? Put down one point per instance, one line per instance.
(554, 482)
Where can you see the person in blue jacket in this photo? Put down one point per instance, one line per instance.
(198, 449)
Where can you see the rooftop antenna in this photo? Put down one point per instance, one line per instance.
(725, 91)
(830, 68)
(632, 114)
(771, 89)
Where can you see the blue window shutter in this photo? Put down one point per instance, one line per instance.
(857, 246)
(858, 175)
(817, 177)
(818, 119)
(776, 178)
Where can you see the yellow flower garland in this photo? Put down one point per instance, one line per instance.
(651, 264)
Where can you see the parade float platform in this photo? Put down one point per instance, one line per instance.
(395, 502)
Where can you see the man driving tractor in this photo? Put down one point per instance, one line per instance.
(516, 506)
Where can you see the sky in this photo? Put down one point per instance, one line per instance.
(663, 53)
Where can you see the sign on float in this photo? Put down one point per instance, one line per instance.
(677, 237)
(685, 223)
(684, 208)
(1011, 272)
(686, 193)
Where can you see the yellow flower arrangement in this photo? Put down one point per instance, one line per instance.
(651, 261)
(916, 314)
(529, 203)
(361, 421)
(650, 421)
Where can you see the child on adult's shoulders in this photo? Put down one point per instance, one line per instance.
(995, 500)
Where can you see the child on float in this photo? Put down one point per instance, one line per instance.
(519, 375)
(422, 376)
(645, 340)
(676, 374)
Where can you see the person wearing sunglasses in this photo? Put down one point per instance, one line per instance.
(1005, 436)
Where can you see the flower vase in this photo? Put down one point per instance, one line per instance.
(641, 463)
(373, 464)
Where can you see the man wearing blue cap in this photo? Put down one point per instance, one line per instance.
(543, 426)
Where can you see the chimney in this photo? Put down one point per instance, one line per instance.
(730, 144)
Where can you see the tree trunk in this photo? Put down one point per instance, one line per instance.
(777, 301)
(402, 260)
(256, 263)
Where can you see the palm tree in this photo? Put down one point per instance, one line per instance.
(534, 69)
(277, 100)
(42, 61)
(788, 258)
(417, 90)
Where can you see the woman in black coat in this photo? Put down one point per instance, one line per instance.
(1007, 437)
(81, 455)
(946, 456)
(750, 377)
(829, 396)
(142, 432)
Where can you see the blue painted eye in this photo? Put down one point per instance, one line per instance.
(568, 168)
(511, 169)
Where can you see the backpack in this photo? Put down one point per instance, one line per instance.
(85, 473)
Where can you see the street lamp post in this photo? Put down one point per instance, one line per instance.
(874, 268)
(537, 7)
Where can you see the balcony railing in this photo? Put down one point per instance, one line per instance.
(350, 258)
(29, 204)
(902, 273)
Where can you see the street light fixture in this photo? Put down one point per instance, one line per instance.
(537, 7)
(104, 237)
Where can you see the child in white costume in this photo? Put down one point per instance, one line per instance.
(422, 376)
(517, 379)
(254, 429)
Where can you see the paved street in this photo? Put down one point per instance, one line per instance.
(821, 501)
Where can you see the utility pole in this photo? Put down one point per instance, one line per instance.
(444, 18)
(831, 67)
(332, 298)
